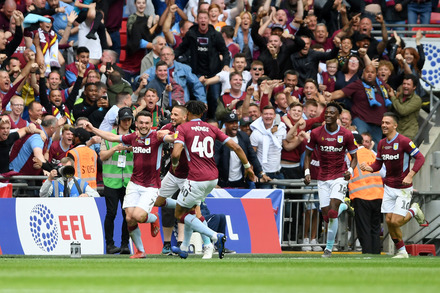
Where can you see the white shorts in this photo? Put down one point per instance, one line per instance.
(396, 201)
(170, 184)
(194, 192)
(336, 188)
(140, 196)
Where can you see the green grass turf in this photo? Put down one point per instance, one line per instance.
(235, 273)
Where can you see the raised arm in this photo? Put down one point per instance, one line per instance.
(104, 134)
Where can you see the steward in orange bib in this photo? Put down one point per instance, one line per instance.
(86, 159)
(366, 192)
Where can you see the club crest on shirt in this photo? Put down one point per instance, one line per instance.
(147, 141)
(322, 138)
(411, 144)
(396, 146)
(340, 138)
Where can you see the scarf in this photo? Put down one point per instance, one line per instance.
(370, 91)
(258, 125)
(49, 46)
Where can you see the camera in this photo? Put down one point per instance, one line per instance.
(65, 171)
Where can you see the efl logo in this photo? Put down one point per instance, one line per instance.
(43, 228)
(48, 226)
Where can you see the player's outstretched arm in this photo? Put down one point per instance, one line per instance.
(248, 172)
(307, 159)
(104, 134)
(175, 156)
(353, 164)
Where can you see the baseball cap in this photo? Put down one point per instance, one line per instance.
(246, 121)
(359, 139)
(277, 26)
(125, 113)
(81, 133)
(232, 117)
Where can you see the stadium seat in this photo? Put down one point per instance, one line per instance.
(123, 40)
(435, 18)
(122, 56)
(425, 29)
(421, 249)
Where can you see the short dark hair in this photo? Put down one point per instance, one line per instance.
(270, 107)
(161, 63)
(291, 72)
(228, 31)
(196, 108)
(121, 97)
(82, 50)
(392, 115)
(414, 79)
(336, 105)
(89, 84)
(144, 113)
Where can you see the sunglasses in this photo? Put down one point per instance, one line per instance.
(256, 68)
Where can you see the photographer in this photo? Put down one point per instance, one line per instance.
(65, 184)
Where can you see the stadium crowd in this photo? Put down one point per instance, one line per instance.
(265, 70)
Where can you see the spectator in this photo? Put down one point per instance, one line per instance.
(375, 48)
(32, 146)
(153, 57)
(366, 118)
(407, 105)
(206, 45)
(116, 85)
(346, 120)
(110, 119)
(395, 12)
(66, 186)
(17, 107)
(231, 174)
(151, 98)
(368, 141)
(182, 75)
(35, 112)
(168, 91)
(366, 193)
(91, 104)
(419, 10)
(267, 143)
(242, 35)
(117, 167)
(276, 58)
(54, 105)
(85, 158)
(306, 61)
(227, 102)
(238, 65)
(9, 48)
(82, 55)
(59, 148)
(109, 57)
(7, 139)
(310, 110)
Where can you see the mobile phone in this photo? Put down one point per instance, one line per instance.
(108, 65)
(104, 97)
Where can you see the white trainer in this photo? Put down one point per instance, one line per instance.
(419, 216)
(306, 247)
(208, 251)
(401, 254)
(315, 247)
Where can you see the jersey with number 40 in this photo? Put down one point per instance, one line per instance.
(198, 138)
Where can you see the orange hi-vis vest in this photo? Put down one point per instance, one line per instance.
(365, 185)
(86, 166)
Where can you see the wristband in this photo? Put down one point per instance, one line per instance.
(306, 172)
(247, 165)
(350, 170)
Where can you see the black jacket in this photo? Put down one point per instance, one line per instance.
(307, 66)
(216, 47)
(223, 154)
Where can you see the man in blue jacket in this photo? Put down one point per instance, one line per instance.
(181, 74)
(231, 174)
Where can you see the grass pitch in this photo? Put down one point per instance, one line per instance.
(234, 273)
